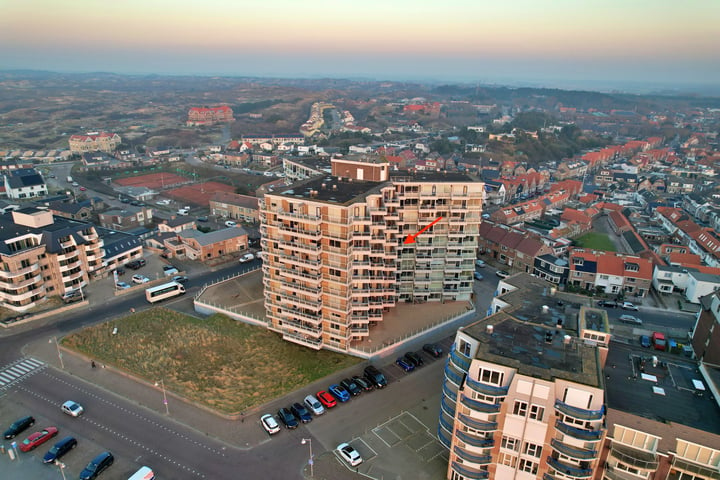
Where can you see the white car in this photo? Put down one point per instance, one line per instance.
(313, 405)
(122, 286)
(479, 263)
(248, 257)
(629, 306)
(630, 319)
(230, 223)
(349, 454)
(270, 424)
(137, 278)
(73, 409)
(163, 202)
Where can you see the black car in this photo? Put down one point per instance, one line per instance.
(60, 449)
(202, 219)
(19, 426)
(97, 465)
(351, 387)
(433, 349)
(180, 279)
(414, 358)
(135, 264)
(301, 413)
(167, 268)
(120, 271)
(363, 383)
(375, 376)
(608, 303)
(287, 418)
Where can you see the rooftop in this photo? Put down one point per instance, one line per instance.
(664, 393)
(530, 335)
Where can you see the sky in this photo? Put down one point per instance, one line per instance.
(541, 42)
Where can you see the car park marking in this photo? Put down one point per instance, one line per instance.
(18, 371)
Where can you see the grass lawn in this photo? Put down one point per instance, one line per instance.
(225, 364)
(596, 241)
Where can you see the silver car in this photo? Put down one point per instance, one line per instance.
(314, 405)
(73, 409)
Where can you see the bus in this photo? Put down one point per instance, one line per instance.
(145, 473)
(161, 292)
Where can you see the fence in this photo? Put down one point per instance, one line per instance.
(225, 279)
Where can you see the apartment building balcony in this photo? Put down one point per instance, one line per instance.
(307, 233)
(444, 438)
(300, 327)
(580, 434)
(39, 289)
(77, 263)
(69, 256)
(453, 377)
(343, 308)
(295, 216)
(479, 406)
(461, 361)
(310, 342)
(579, 413)
(634, 457)
(473, 458)
(4, 274)
(309, 276)
(68, 243)
(573, 452)
(307, 290)
(486, 389)
(72, 276)
(478, 424)
(312, 249)
(611, 473)
(93, 255)
(571, 471)
(21, 284)
(474, 441)
(375, 315)
(309, 312)
(447, 408)
(446, 424)
(448, 392)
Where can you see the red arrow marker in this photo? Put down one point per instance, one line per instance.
(411, 238)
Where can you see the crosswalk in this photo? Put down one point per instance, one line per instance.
(18, 370)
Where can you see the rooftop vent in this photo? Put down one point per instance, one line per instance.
(334, 186)
(545, 309)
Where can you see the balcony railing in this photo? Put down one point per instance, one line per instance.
(579, 413)
(569, 470)
(469, 457)
(449, 393)
(479, 406)
(478, 424)
(587, 435)
(443, 437)
(455, 378)
(485, 388)
(446, 424)
(634, 457)
(474, 441)
(315, 343)
(573, 452)
(470, 473)
(462, 362)
(447, 407)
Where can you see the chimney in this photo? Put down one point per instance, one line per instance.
(545, 309)
(567, 339)
(489, 329)
(334, 186)
(323, 186)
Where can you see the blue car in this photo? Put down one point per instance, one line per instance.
(405, 364)
(645, 341)
(339, 392)
(60, 449)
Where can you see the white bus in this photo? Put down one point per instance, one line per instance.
(145, 473)
(161, 292)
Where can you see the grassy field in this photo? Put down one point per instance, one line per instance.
(219, 362)
(596, 241)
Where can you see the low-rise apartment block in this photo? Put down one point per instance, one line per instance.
(209, 115)
(235, 206)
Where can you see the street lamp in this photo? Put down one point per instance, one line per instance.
(310, 462)
(61, 466)
(162, 384)
(57, 346)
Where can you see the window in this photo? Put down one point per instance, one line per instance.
(532, 449)
(528, 466)
(464, 348)
(508, 460)
(491, 377)
(510, 443)
(537, 412)
(520, 408)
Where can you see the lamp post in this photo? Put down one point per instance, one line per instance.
(310, 461)
(162, 384)
(57, 346)
(61, 466)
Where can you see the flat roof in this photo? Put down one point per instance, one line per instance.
(632, 384)
(529, 335)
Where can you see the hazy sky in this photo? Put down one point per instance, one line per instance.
(602, 42)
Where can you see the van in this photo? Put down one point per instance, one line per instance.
(145, 473)
(183, 212)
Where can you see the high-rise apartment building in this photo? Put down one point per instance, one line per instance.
(334, 253)
(42, 255)
(523, 396)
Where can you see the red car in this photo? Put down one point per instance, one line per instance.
(326, 399)
(38, 438)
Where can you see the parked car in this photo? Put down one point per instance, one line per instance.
(480, 263)
(287, 418)
(59, 449)
(135, 264)
(72, 296)
(433, 349)
(645, 341)
(405, 364)
(230, 223)
(122, 285)
(120, 271)
(630, 319)
(97, 465)
(202, 219)
(414, 358)
(477, 275)
(352, 387)
(608, 303)
(327, 400)
(502, 274)
(301, 413)
(38, 438)
(169, 270)
(248, 257)
(375, 376)
(137, 278)
(629, 306)
(339, 392)
(363, 383)
(349, 454)
(180, 279)
(269, 424)
(19, 426)
(314, 405)
(71, 408)
(83, 189)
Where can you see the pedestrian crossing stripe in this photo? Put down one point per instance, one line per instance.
(15, 372)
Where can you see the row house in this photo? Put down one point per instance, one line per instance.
(510, 246)
(94, 142)
(570, 169)
(693, 281)
(551, 268)
(653, 183)
(127, 218)
(609, 272)
(193, 244)
(266, 159)
(237, 160)
(519, 213)
(42, 256)
(235, 206)
(71, 210)
(209, 115)
(701, 241)
(572, 187)
(677, 185)
(494, 193)
(24, 183)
